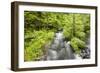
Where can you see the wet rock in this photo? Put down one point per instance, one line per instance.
(85, 53)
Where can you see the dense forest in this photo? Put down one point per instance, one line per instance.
(40, 29)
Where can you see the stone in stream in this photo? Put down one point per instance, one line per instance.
(85, 53)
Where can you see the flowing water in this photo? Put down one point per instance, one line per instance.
(61, 49)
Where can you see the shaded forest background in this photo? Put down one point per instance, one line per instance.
(40, 28)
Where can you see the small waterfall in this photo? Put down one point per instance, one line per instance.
(56, 46)
(60, 49)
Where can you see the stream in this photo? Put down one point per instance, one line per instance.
(61, 50)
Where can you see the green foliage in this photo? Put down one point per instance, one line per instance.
(80, 35)
(34, 48)
(77, 44)
(40, 28)
(68, 26)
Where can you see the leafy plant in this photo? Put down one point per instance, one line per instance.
(77, 44)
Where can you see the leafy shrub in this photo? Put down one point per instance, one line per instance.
(77, 44)
(34, 48)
